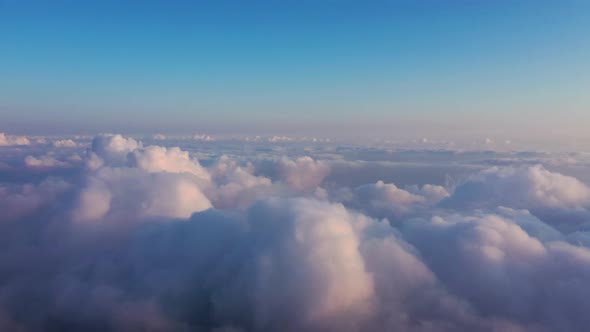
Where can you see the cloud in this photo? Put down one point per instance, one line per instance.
(135, 238)
(521, 187)
(555, 198)
(10, 140)
(65, 143)
(18, 201)
(236, 186)
(303, 174)
(432, 193)
(277, 139)
(134, 182)
(160, 159)
(504, 271)
(114, 148)
(44, 161)
(296, 252)
(203, 137)
(385, 200)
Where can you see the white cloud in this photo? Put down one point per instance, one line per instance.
(530, 186)
(276, 139)
(24, 200)
(504, 271)
(10, 140)
(114, 148)
(44, 161)
(554, 197)
(314, 244)
(303, 174)
(174, 160)
(385, 200)
(130, 194)
(134, 182)
(236, 186)
(203, 137)
(65, 143)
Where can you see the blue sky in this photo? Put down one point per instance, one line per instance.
(288, 66)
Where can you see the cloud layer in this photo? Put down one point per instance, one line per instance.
(115, 235)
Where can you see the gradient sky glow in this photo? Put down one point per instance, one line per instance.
(496, 67)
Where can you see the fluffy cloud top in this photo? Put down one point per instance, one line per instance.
(44, 161)
(10, 140)
(65, 143)
(304, 173)
(522, 187)
(153, 181)
(155, 159)
(203, 137)
(557, 199)
(385, 199)
(114, 147)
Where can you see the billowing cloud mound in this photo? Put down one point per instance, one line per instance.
(128, 193)
(556, 198)
(504, 271)
(44, 161)
(237, 186)
(386, 199)
(9, 140)
(148, 238)
(129, 181)
(159, 159)
(522, 187)
(114, 148)
(303, 174)
(65, 143)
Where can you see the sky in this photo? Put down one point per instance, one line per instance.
(442, 69)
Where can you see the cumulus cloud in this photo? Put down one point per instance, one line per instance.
(160, 159)
(130, 193)
(44, 161)
(203, 137)
(383, 200)
(65, 143)
(504, 271)
(276, 139)
(522, 187)
(386, 200)
(114, 148)
(10, 140)
(556, 198)
(432, 193)
(236, 186)
(128, 180)
(18, 201)
(303, 173)
(148, 238)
